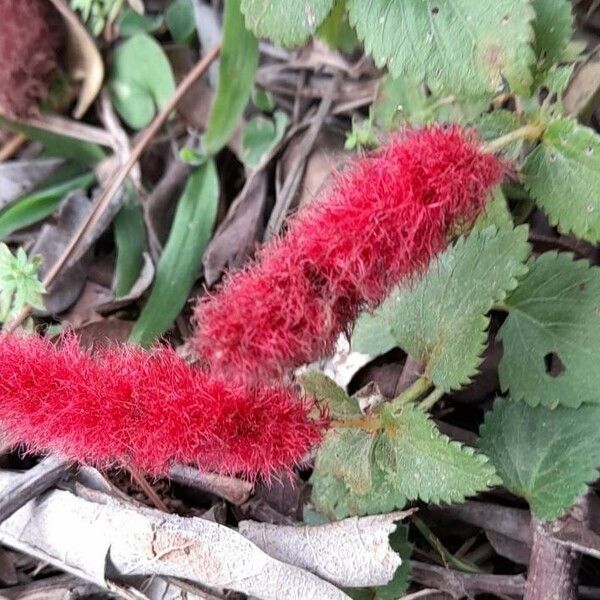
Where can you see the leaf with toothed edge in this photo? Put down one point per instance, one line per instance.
(441, 318)
(361, 471)
(461, 46)
(286, 22)
(546, 456)
(551, 337)
(563, 176)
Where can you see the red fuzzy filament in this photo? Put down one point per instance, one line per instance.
(383, 221)
(31, 35)
(125, 406)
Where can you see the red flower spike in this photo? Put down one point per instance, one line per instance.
(125, 406)
(383, 221)
(31, 35)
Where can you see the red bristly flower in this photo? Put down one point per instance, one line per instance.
(383, 221)
(125, 406)
(31, 35)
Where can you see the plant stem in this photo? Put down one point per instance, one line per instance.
(531, 131)
(430, 400)
(414, 392)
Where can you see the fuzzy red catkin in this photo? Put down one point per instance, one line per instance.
(31, 35)
(125, 406)
(382, 221)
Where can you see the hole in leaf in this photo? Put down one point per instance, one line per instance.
(553, 365)
(582, 286)
(435, 10)
(505, 19)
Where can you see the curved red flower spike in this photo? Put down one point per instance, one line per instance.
(31, 35)
(126, 406)
(383, 220)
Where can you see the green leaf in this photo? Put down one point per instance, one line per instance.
(37, 205)
(496, 213)
(545, 456)
(440, 319)
(403, 100)
(19, 283)
(180, 20)
(406, 459)
(563, 175)
(238, 62)
(553, 28)
(83, 153)
(455, 45)
(261, 135)
(132, 22)
(286, 22)
(551, 337)
(401, 580)
(330, 394)
(178, 266)
(130, 240)
(496, 124)
(335, 30)
(141, 80)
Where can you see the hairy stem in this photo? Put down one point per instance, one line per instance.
(531, 131)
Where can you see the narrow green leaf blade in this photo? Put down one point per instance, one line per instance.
(130, 240)
(460, 46)
(551, 337)
(286, 22)
(178, 265)
(238, 62)
(36, 206)
(545, 456)
(563, 175)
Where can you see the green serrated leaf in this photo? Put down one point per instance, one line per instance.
(441, 319)
(238, 62)
(545, 456)
(553, 28)
(181, 258)
(261, 135)
(141, 80)
(496, 213)
(329, 393)
(372, 333)
(286, 22)
(407, 458)
(455, 45)
(563, 175)
(551, 337)
(404, 101)
(19, 283)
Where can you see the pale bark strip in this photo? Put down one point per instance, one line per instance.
(91, 538)
(350, 553)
